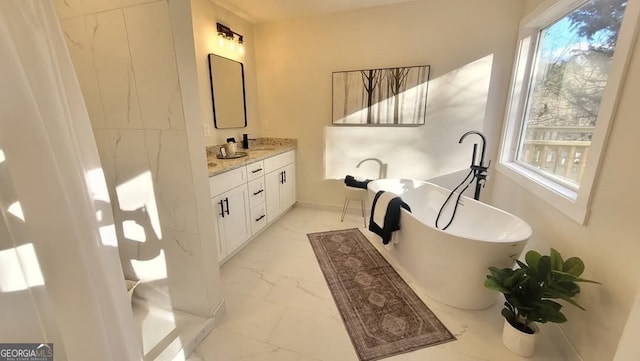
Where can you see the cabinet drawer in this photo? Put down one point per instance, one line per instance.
(227, 181)
(258, 218)
(255, 170)
(256, 192)
(279, 161)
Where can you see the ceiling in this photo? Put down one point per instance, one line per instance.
(258, 11)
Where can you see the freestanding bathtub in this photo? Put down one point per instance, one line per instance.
(451, 266)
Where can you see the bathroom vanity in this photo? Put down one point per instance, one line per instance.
(250, 192)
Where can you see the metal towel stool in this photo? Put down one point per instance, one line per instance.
(355, 194)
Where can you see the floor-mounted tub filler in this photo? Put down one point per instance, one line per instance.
(451, 266)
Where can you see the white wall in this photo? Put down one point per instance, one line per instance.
(608, 243)
(529, 5)
(124, 56)
(295, 60)
(205, 16)
(469, 45)
(628, 347)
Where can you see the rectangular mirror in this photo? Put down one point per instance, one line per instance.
(227, 92)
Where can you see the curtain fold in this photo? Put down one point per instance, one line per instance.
(51, 166)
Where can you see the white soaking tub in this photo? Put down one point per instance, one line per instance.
(451, 266)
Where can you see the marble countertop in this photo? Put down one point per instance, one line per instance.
(259, 149)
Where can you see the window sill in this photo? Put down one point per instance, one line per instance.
(561, 198)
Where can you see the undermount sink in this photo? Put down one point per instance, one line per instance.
(262, 148)
(237, 155)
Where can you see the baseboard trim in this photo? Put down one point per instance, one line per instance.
(354, 207)
(318, 206)
(206, 329)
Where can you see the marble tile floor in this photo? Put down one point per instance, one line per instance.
(164, 333)
(280, 308)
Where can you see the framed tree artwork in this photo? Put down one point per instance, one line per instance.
(385, 97)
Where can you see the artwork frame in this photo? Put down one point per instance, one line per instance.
(381, 97)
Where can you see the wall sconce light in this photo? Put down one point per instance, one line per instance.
(230, 37)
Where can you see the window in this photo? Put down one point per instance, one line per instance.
(570, 65)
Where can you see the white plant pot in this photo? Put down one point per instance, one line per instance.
(518, 342)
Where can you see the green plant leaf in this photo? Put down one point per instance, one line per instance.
(552, 305)
(556, 294)
(556, 260)
(519, 301)
(492, 284)
(514, 278)
(567, 288)
(522, 265)
(544, 269)
(531, 289)
(574, 266)
(574, 278)
(532, 258)
(500, 274)
(549, 311)
(509, 315)
(495, 271)
(511, 309)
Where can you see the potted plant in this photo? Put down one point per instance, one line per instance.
(529, 291)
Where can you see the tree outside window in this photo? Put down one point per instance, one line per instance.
(568, 78)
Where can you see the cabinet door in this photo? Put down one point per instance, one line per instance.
(217, 206)
(234, 227)
(272, 198)
(281, 190)
(288, 187)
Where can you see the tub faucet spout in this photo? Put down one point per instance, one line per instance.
(475, 147)
(478, 166)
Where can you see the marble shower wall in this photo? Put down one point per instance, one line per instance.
(124, 57)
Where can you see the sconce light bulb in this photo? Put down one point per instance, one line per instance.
(220, 41)
(231, 45)
(241, 49)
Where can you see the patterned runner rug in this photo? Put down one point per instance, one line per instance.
(382, 314)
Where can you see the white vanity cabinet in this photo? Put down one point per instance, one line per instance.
(230, 203)
(246, 199)
(280, 182)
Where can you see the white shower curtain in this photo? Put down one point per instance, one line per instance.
(56, 220)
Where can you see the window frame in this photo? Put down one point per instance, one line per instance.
(574, 204)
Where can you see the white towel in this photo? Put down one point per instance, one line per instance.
(381, 207)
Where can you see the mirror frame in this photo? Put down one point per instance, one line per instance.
(219, 88)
